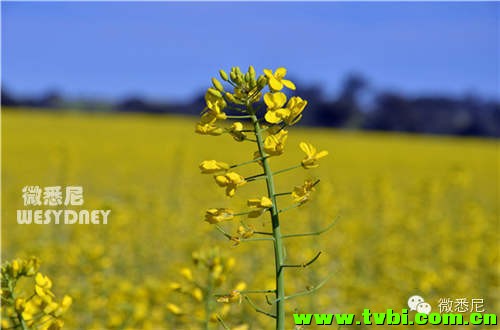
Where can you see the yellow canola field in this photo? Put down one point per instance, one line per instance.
(415, 215)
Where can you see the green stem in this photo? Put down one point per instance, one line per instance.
(11, 287)
(278, 243)
(208, 303)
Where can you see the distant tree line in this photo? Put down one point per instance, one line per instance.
(356, 106)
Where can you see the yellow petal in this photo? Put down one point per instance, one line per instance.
(174, 309)
(280, 73)
(288, 84)
(307, 148)
(275, 100)
(268, 73)
(321, 154)
(240, 286)
(230, 190)
(266, 202)
(272, 118)
(275, 84)
(221, 180)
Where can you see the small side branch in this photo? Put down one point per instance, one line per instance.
(219, 228)
(304, 265)
(238, 240)
(263, 233)
(283, 194)
(221, 321)
(314, 233)
(259, 310)
(308, 291)
(257, 291)
(246, 163)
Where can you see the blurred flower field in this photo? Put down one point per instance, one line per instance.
(415, 215)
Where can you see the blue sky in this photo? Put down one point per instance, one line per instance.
(170, 50)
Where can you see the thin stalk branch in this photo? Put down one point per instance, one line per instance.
(309, 291)
(303, 265)
(221, 321)
(257, 291)
(283, 194)
(255, 178)
(257, 309)
(257, 239)
(239, 117)
(287, 169)
(290, 207)
(314, 233)
(262, 233)
(228, 236)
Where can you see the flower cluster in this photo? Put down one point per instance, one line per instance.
(247, 98)
(39, 310)
(198, 285)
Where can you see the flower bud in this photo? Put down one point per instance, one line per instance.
(230, 97)
(261, 82)
(233, 76)
(251, 71)
(217, 85)
(223, 75)
(214, 92)
(238, 72)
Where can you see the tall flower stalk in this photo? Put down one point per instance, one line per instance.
(260, 113)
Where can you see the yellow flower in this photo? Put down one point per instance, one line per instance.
(215, 102)
(30, 309)
(31, 266)
(263, 202)
(300, 194)
(213, 111)
(51, 307)
(233, 296)
(260, 205)
(295, 107)
(43, 281)
(245, 232)
(15, 267)
(197, 294)
(236, 131)
(212, 166)
(42, 288)
(276, 80)
(208, 129)
(174, 286)
(20, 304)
(231, 181)
(275, 111)
(65, 304)
(217, 215)
(187, 273)
(174, 309)
(311, 155)
(274, 144)
(56, 324)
